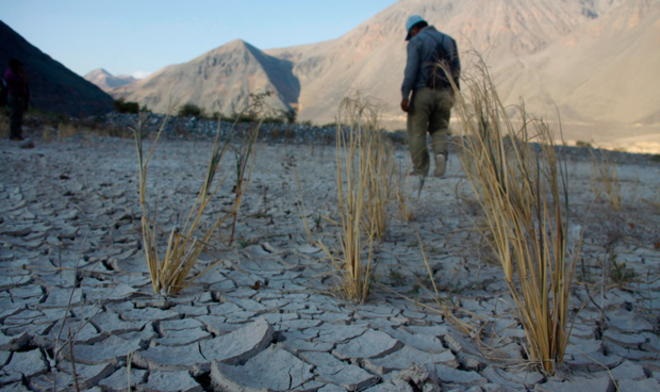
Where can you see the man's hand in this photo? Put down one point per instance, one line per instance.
(405, 105)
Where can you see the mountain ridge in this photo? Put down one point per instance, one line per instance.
(237, 66)
(107, 81)
(54, 88)
(553, 54)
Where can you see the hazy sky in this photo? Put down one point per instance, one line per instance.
(141, 36)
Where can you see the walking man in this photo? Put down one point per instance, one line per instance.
(427, 95)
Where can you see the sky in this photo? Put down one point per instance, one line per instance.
(137, 37)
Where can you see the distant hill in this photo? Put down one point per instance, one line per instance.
(218, 81)
(54, 88)
(107, 81)
(594, 60)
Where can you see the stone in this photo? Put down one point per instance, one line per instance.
(447, 374)
(9, 307)
(593, 361)
(182, 337)
(368, 345)
(333, 317)
(371, 311)
(178, 325)
(628, 353)
(181, 381)
(419, 377)
(458, 344)
(277, 319)
(513, 379)
(54, 381)
(11, 281)
(308, 249)
(426, 343)
(647, 385)
(169, 358)
(116, 292)
(652, 342)
(15, 387)
(332, 370)
(490, 387)
(23, 318)
(239, 345)
(223, 286)
(79, 331)
(88, 375)
(120, 380)
(470, 362)
(331, 388)
(27, 363)
(494, 375)
(191, 310)
(13, 342)
(111, 323)
(273, 369)
(4, 357)
(578, 346)
(629, 340)
(297, 324)
(304, 340)
(406, 357)
(628, 371)
(626, 321)
(391, 386)
(579, 384)
(107, 350)
(429, 331)
(249, 305)
(148, 314)
(27, 292)
(217, 325)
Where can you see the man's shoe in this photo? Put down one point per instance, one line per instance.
(440, 165)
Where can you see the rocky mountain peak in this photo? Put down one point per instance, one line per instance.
(54, 88)
(555, 54)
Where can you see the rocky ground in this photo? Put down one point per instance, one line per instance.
(78, 311)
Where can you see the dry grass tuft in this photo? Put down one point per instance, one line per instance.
(365, 172)
(521, 188)
(605, 179)
(66, 130)
(172, 272)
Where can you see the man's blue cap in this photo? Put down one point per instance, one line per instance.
(412, 20)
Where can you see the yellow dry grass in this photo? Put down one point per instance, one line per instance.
(172, 272)
(365, 172)
(521, 186)
(605, 182)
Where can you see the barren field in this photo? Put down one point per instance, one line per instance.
(78, 311)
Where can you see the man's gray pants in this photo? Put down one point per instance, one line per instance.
(429, 113)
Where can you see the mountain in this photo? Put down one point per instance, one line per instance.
(218, 81)
(53, 87)
(594, 60)
(371, 57)
(602, 77)
(107, 81)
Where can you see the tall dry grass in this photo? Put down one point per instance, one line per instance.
(605, 182)
(365, 172)
(169, 273)
(520, 183)
(173, 271)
